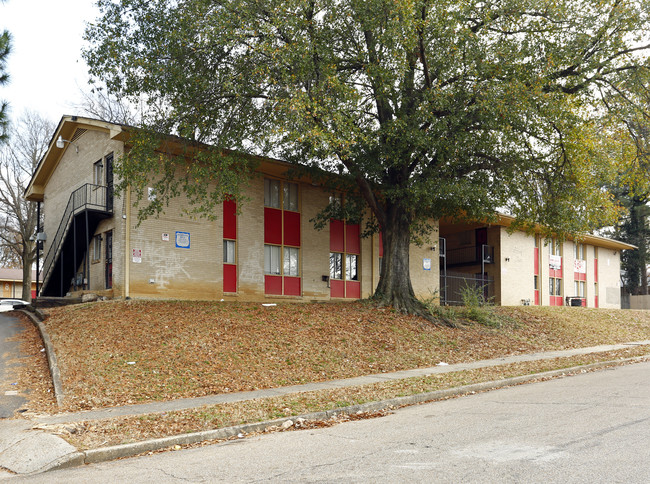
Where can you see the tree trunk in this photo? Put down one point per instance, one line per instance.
(394, 287)
(28, 261)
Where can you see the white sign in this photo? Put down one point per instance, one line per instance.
(580, 266)
(165, 237)
(426, 264)
(555, 262)
(137, 256)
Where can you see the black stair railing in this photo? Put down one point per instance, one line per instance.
(87, 197)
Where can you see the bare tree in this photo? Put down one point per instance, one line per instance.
(98, 103)
(18, 160)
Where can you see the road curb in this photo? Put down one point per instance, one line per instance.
(104, 454)
(36, 318)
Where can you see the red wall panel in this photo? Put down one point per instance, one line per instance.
(229, 278)
(337, 288)
(352, 239)
(292, 228)
(336, 236)
(353, 289)
(273, 285)
(272, 226)
(229, 219)
(292, 286)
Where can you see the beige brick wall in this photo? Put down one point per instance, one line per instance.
(197, 273)
(517, 275)
(516, 259)
(609, 277)
(164, 270)
(167, 271)
(74, 170)
(426, 283)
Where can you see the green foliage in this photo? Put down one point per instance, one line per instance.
(429, 109)
(158, 169)
(440, 107)
(476, 306)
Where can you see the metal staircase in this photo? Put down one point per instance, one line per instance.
(87, 206)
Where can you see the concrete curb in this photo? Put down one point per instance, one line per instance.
(129, 450)
(36, 318)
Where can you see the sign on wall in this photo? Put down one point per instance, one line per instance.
(183, 240)
(165, 237)
(580, 266)
(137, 256)
(555, 262)
(426, 264)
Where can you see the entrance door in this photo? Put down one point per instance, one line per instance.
(109, 260)
(109, 183)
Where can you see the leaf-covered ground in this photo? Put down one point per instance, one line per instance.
(120, 352)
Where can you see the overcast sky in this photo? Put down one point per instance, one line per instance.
(45, 66)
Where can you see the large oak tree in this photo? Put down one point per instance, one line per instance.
(427, 109)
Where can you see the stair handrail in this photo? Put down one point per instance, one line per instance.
(79, 199)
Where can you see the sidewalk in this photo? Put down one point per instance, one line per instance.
(24, 450)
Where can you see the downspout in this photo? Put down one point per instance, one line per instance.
(127, 244)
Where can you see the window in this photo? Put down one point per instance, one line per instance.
(336, 265)
(272, 259)
(536, 282)
(98, 173)
(555, 247)
(271, 193)
(579, 251)
(291, 261)
(282, 238)
(97, 248)
(228, 251)
(229, 245)
(351, 273)
(579, 288)
(554, 286)
(345, 250)
(290, 199)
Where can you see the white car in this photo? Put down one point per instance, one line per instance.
(11, 304)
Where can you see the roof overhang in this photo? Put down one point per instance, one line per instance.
(503, 220)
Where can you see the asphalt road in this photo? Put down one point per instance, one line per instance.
(9, 326)
(590, 428)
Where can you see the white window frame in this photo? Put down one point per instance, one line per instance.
(291, 266)
(336, 272)
(351, 267)
(97, 248)
(272, 189)
(229, 251)
(272, 260)
(98, 172)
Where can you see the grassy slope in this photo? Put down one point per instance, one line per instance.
(112, 353)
